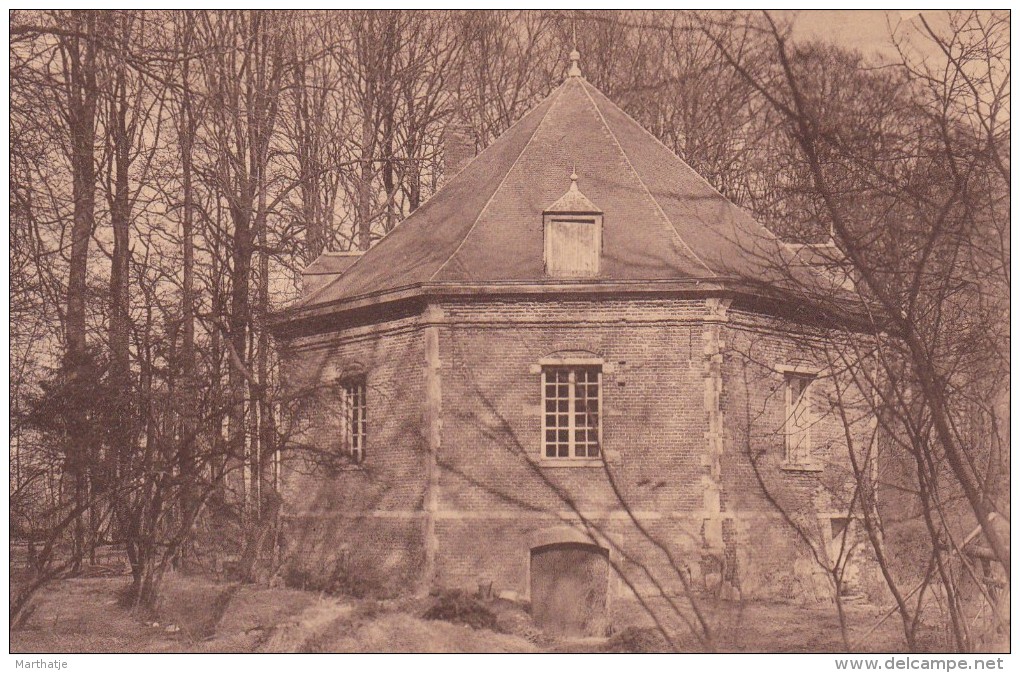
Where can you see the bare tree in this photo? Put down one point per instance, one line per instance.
(910, 208)
(226, 149)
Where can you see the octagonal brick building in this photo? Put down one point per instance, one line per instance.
(559, 379)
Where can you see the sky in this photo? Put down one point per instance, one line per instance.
(865, 30)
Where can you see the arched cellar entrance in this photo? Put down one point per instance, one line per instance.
(570, 588)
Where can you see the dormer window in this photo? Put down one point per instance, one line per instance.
(573, 236)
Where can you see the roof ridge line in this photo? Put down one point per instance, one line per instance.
(493, 142)
(492, 196)
(775, 237)
(697, 173)
(424, 203)
(637, 175)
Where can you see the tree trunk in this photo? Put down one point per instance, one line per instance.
(237, 334)
(308, 150)
(81, 56)
(188, 411)
(119, 450)
(365, 187)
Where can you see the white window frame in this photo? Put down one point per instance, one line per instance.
(799, 420)
(572, 365)
(354, 417)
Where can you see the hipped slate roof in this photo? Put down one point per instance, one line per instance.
(662, 221)
(329, 263)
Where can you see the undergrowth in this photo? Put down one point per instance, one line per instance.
(460, 607)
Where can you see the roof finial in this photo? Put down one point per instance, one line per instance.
(575, 70)
(573, 179)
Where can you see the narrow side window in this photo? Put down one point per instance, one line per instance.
(354, 418)
(798, 418)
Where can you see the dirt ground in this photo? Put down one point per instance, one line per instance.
(198, 615)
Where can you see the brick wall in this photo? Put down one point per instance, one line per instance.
(757, 479)
(653, 438)
(689, 394)
(356, 525)
(652, 556)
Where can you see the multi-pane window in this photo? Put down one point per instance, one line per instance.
(571, 401)
(354, 415)
(798, 418)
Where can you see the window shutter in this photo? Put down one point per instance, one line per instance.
(573, 235)
(573, 247)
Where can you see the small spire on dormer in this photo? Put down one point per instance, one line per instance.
(573, 200)
(575, 70)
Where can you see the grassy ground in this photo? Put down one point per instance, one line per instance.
(753, 626)
(197, 615)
